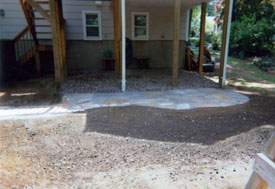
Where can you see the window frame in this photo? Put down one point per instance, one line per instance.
(147, 26)
(85, 37)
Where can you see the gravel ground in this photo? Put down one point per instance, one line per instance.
(136, 147)
(137, 80)
(42, 91)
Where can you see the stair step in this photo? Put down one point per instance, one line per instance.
(42, 2)
(43, 32)
(41, 25)
(39, 18)
(34, 10)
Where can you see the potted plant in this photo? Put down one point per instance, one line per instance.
(108, 60)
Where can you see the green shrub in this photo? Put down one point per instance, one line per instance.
(250, 37)
(217, 40)
(194, 41)
(265, 63)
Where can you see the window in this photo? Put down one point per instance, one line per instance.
(92, 25)
(140, 26)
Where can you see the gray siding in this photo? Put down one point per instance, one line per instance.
(13, 22)
(161, 20)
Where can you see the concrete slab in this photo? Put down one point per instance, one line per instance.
(173, 99)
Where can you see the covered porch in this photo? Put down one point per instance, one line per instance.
(172, 75)
(120, 7)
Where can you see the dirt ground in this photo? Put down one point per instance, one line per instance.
(137, 147)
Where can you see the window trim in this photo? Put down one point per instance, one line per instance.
(147, 26)
(85, 37)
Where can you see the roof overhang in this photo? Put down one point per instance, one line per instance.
(186, 4)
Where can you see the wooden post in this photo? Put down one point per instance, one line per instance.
(62, 37)
(116, 34)
(225, 40)
(202, 35)
(57, 43)
(255, 181)
(176, 43)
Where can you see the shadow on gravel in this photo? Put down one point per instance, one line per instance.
(205, 126)
(33, 92)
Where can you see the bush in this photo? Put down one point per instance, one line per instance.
(194, 41)
(217, 41)
(266, 63)
(251, 38)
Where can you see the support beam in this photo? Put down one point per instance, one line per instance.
(123, 29)
(62, 37)
(57, 42)
(39, 9)
(116, 34)
(225, 40)
(202, 35)
(176, 43)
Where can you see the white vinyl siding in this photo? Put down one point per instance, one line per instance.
(161, 25)
(72, 12)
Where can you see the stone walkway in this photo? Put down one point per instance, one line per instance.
(173, 99)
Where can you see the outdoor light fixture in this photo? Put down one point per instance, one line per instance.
(2, 13)
(98, 3)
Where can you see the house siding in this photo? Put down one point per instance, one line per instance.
(161, 20)
(87, 55)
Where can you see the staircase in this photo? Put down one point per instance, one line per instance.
(42, 16)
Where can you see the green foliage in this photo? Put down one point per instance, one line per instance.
(195, 25)
(252, 26)
(211, 8)
(209, 32)
(266, 63)
(250, 36)
(194, 41)
(217, 40)
(196, 20)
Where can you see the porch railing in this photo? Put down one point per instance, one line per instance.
(24, 46)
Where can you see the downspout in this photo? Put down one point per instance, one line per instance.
(123, 23)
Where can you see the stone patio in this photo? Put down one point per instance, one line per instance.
(173, 99)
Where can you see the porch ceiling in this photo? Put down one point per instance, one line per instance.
(186, 4)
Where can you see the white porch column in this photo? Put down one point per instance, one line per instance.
(228, 9)
(187, 25)
(123, 24)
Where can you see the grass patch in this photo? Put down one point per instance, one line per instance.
(249, 71)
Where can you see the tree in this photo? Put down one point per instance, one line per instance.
(195, 21)
(253, 26)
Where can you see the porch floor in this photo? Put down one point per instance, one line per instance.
(137, 80)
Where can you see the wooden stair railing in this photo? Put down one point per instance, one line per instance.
(35, 11)
(25, 48)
